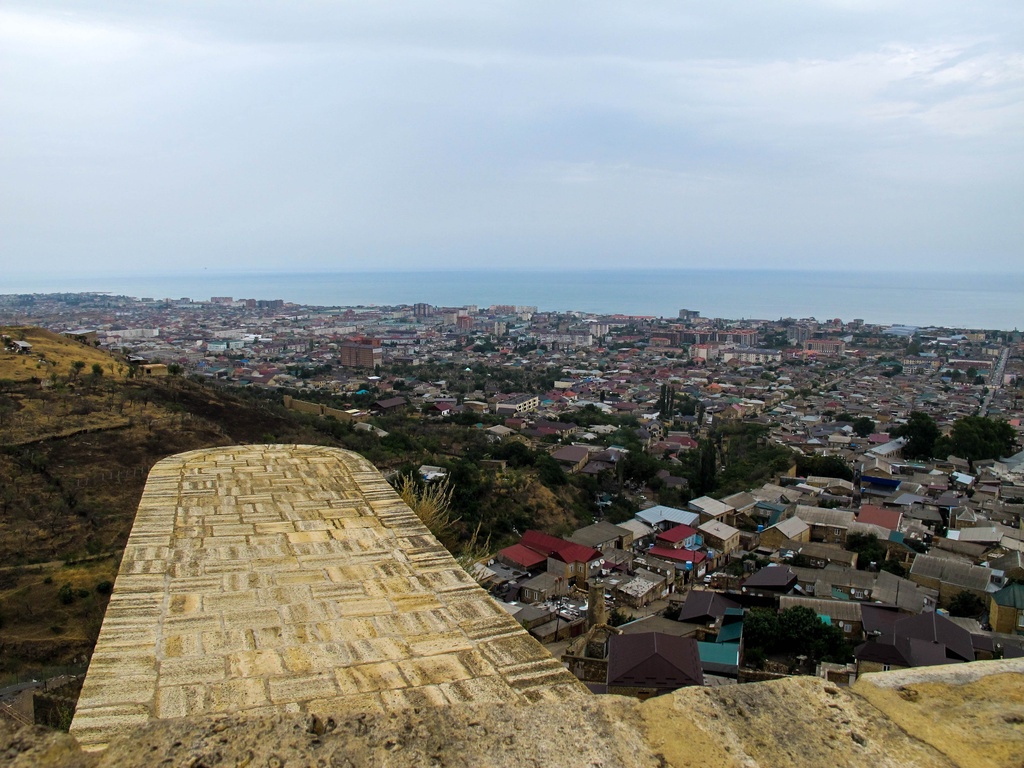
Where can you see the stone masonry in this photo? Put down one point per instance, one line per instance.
(270, 580)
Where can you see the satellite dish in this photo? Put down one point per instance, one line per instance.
(602, 561)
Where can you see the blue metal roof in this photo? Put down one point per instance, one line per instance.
(716, 653)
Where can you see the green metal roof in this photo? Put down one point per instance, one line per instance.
(730, 633)
(1011, 595)
(717, 653)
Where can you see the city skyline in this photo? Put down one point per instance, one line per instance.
(256, 138)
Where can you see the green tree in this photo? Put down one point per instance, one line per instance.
(976, 438)
(618, 617)
(868, 548)
(966, 604)
(707, 468)
(823, 466)
(921, 432)
(796, 626)
(640, 467)
(515, 453)
(863, 426)
(549, 472)
(894, 567)
(803, 632)
(760, 629)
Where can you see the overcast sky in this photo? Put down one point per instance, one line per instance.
(309, 135)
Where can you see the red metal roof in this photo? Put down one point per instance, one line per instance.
(560, 549)
(679, 533)
(523, 556)
(886, 518)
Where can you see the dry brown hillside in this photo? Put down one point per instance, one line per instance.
(75, 450)
(52, 354)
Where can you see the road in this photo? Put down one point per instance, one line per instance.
(995, 381)
(53, 682)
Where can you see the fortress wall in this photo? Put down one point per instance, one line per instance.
(264, 580)
(280, 605)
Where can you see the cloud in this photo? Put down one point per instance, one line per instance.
(313, 134)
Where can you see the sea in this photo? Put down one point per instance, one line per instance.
(952, 300)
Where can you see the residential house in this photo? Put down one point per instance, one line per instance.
(645, 587)
(652, 664)
(680, 537)
(389, 405)
(543, 587)
(787, 531)
(711, 509)
(743, 504)
(603, 536)
(689, 561)
(880, 516)
(663, 518)
(704, 606)
(820, 555)
(771, 581)
(1006, 610)
(924, 640)
(950, 577)
(828, 525)
(643, 534)
(498, 432)
(719, 536)
(516, 404)
(524, 558)
(844, 614)
(1011, 564)
(572, 458)
(440, 409)
(573, 563)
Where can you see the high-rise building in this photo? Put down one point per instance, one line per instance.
(360, 353)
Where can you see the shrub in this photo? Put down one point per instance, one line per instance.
(66, 595)
(431, 503)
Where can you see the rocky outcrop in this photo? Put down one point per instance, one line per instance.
(960, 715)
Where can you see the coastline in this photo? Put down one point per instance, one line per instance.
(946, 299)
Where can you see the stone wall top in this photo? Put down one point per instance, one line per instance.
(275, 579)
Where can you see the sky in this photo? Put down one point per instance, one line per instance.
(151, 136)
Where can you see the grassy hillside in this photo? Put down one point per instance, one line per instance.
(52, 354)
